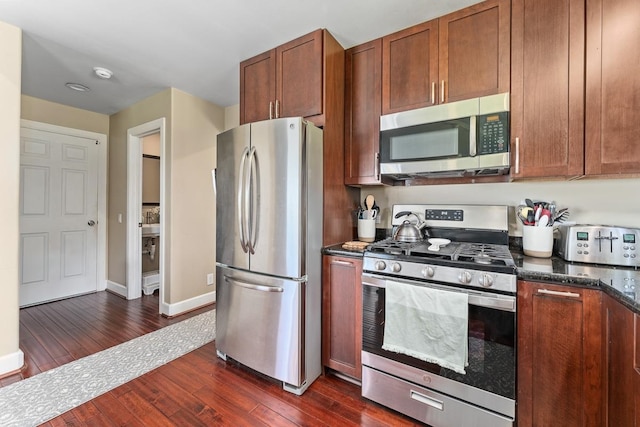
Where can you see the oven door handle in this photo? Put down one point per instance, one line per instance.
(504, 304)
(480, 299)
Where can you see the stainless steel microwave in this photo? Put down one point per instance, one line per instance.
(463, 138)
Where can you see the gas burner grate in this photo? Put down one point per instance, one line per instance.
(482, 253)
(393, 247)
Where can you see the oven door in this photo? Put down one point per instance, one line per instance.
(492, 338)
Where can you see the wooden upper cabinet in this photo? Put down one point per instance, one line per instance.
(474, 50)
(547, 88)
(612, 87)
(287, 81)
(362, 101)
(299, 76)
(461, 55)
(257, 87)
(410, 68)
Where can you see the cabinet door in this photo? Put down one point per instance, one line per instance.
(410, 68)
(559, 356)
(474, 50)
(342, 314)
(257, 88)
(613, 87)
(636, 365)
(547, 88)
(363, 70)
(299, 84)
(619, 362)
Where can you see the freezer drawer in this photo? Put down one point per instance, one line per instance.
(259, 323)
(428, 406)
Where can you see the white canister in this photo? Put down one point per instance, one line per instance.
(537, 241)
(366, 230)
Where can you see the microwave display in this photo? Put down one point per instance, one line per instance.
(493, 133)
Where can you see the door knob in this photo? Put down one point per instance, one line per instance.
(91, 222)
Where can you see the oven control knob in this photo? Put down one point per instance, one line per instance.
(485, 280)
(396, 267)
(464, 277)
(428, 271)
(380, 265)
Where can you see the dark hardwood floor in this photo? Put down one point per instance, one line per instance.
(195, 389)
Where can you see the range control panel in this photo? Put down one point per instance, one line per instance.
(600, 244)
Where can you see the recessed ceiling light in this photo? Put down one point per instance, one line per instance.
(78, 87)
(103, 73)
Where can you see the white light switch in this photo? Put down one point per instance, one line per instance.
(120, 218)
(210, 279)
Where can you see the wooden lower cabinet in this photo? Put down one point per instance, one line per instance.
(560, 366)
(342, 314)
(636, 366)
(622, 375)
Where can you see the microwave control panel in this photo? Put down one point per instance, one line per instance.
(493, 133)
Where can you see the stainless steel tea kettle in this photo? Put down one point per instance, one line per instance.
(408, 231)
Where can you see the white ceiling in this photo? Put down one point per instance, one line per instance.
(194, 45)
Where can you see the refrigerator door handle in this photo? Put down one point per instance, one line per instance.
(253, 177)
(248, 209)
(213, 182)
(241, 200)
(253, 286)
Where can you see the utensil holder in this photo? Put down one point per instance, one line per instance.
(537, 241)
(366, 230)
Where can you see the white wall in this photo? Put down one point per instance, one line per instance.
(590, 201)
(11, 358)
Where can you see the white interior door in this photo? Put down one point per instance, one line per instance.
(58, 215)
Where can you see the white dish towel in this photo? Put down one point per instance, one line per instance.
(428, 324)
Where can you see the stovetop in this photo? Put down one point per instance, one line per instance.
(483, 254)
(477, 256)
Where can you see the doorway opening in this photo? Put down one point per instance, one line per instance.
(146, 224)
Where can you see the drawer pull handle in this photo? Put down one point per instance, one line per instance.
(558, 293)
(337, 261)
(434, 403)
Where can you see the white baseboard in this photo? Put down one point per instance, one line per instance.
(117, 288)
(187, 305)
(11, 362)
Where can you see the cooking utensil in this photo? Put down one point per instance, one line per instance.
(529, 203)
(544, 221)
(408, 231)
(537, 214)
(369, 201)
(523, 211)
(562, 215)
(436, 244)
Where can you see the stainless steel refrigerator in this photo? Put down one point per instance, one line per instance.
(269, 191)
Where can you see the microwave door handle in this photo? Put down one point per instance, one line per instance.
(472, 136)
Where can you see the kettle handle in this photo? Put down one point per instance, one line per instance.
(403, 213)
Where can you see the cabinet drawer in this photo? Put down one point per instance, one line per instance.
(424, 404)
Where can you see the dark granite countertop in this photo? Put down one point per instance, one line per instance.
(618, 282)
(338, 250)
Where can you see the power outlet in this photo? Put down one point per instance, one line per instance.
(210, 279)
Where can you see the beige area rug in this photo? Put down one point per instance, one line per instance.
(38, 399)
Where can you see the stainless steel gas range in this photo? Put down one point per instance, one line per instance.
(475, 263)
